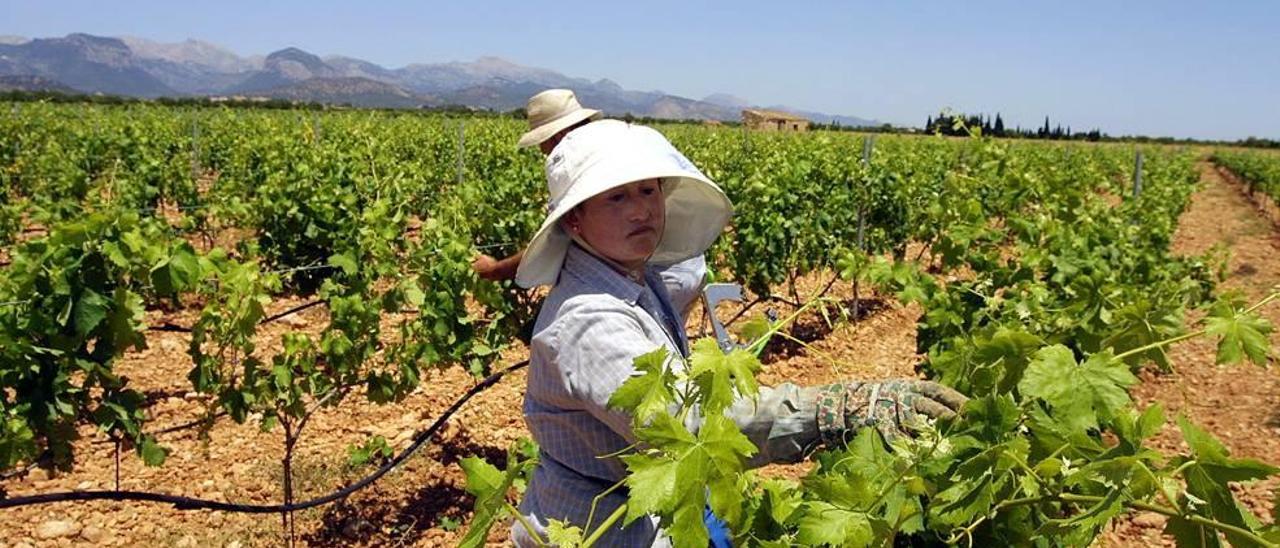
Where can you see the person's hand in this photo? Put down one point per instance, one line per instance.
(894, 407)
(497, 270)
(486, 267)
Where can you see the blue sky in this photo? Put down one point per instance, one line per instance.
(1188, 69)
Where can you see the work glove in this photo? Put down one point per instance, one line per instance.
(894, 407)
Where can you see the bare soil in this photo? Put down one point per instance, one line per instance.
(1239, 404)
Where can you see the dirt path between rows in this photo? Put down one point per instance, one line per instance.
(1239, 404)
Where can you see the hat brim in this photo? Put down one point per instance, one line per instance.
(697, 212)
(546, 131)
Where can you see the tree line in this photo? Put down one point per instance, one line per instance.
(962, 124)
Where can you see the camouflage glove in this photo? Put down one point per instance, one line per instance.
(893, 407)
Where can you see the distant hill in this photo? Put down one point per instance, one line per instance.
(727, 100)
(360, 92)
(139, 67)
(85, 63)
(32, 83)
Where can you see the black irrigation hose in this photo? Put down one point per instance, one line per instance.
(48, 453)
(169, 327)
(176, 428)
(778, 299)
(174, 328)
(186, 503)
(744, 310)
(44, 456)
(191, 424)
(293, 310)
(774, 298)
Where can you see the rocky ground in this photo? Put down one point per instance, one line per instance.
(1239, 404)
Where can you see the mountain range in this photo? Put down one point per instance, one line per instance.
(138, 67)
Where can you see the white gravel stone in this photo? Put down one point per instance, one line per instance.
(93, 534)
(57, 529)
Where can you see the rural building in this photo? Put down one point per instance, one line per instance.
(773, 120)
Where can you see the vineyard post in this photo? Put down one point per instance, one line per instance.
(867, 143)
(1137, 175)
(286, 468)
(116, 439)
(195, 148)
(462, 148)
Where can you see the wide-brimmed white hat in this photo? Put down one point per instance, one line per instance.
(550, 112)
(611, 153)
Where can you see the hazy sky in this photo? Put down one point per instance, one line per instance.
(1189, 69)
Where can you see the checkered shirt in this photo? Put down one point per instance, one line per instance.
(592, 325)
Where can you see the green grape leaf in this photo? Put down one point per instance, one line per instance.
(178, 271)
(1207, 479)
(647, 394)
(345, 262)
(17, 441)
(564, 535)
(126, 321)
(1092, 518)
(754, 329)
(725, 445)
(1214, 459)
(1013, 349)
(992, 417)
(652, 485)
(490, 486)
(726, 496)
(1241, 336)
(688, 529)
(718, 375)
(823, 523)
(978, 483)
(89, 311)
(413, 294)
(670, 478)
(1080, 394)
(1191, 535)
(1149, 422)
(152, 453)
(482, 478)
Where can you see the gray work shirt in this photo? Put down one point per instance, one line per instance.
(593, 324)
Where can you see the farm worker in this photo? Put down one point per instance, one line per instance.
(552, 115)
(624, 203)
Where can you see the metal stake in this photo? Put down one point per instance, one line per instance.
(1137, 176)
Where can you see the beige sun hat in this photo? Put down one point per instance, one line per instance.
(611, 153)
(550, 112)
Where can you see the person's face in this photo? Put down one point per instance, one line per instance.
(550, 144)
(624, 223)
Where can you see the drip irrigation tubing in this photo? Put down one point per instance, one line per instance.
(187, 503)
(176, 428)
(174, 328)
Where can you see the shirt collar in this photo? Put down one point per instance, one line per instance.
(593, 272)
